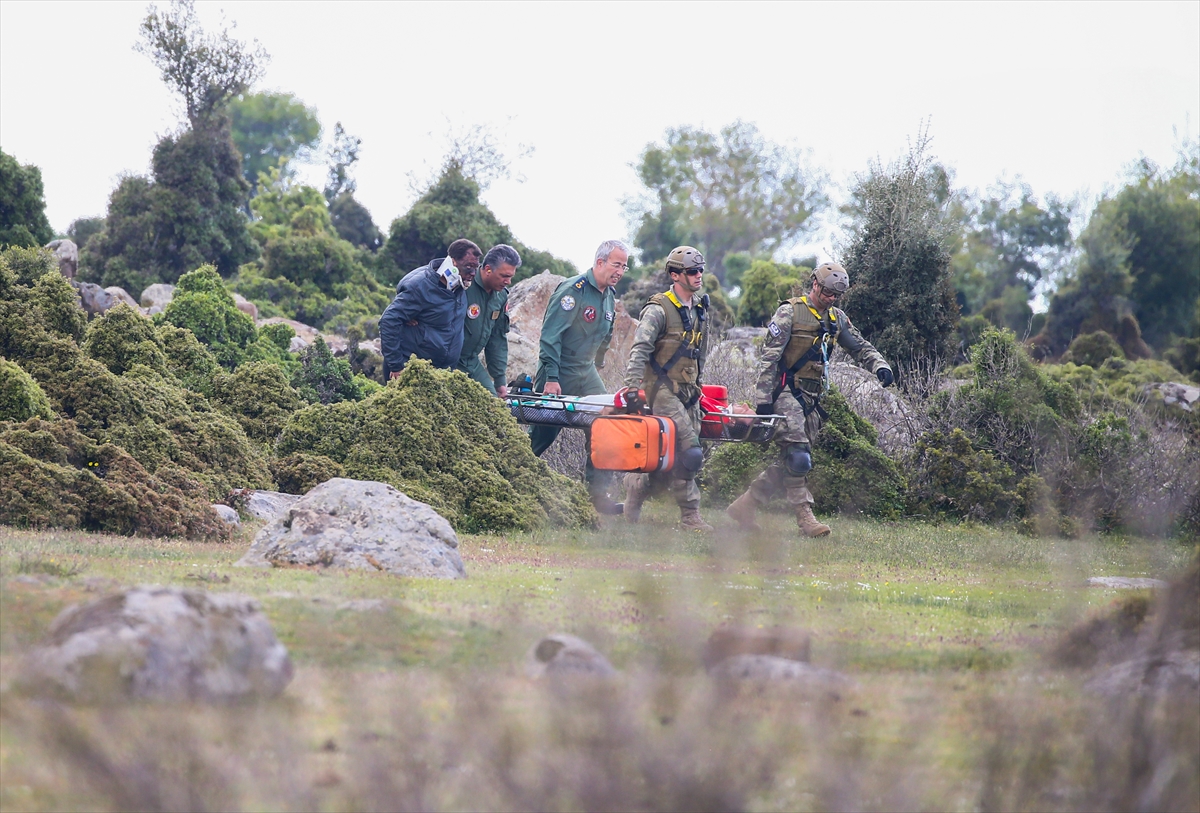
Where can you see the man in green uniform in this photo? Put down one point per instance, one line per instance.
(576, 331)
(668, 357)
(486, 326)
(792, 377)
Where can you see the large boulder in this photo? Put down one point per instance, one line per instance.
(526, 308)
(159, 643)
(156, 297)
(359, 525)
(896, 423)
(67, 254)
(263, 504)
(563, 655)
(245, 306)
(307, 334)
(93, 298)
(120, 295)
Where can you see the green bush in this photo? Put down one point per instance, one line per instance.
(1092, 349)
(55, 476)
(204, 306)
(441, 438)
(121, 338)
(188, 361)
(955, 479)
(323, 378)
(764, 285)
(299, 472)
(20, 396)
(259, 396)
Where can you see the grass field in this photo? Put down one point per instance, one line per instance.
(410, 694)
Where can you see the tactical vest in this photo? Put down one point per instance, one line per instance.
(809, 331)
(676, 355)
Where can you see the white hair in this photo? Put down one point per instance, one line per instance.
(609, 246)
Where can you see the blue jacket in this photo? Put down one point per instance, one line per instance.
(424, 319)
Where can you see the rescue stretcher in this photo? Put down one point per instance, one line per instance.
(720, 421)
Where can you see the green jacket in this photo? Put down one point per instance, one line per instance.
(576, 329)
(486, 332)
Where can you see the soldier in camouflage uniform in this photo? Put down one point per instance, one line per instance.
(792, 377)
(576, 332)
(486, 326)
(668, 357)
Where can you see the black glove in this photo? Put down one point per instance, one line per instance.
(633, 401)
(884, 374)
(764, 409)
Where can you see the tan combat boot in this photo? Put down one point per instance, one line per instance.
(808, 523)
(690, 520)
(635, 495)
(742, 511)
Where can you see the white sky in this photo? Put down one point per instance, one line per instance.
(1064, 95)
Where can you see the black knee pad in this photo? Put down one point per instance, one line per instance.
(690, 462)
(798, 461)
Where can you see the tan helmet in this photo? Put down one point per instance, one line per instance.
(833, 277)
(684, 258)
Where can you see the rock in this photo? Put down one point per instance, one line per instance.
(359, 525)
(264, 504)
(526, 309)
(296, 344)
(1174, 394)
(245, 306)
(67, 254)
(121, 295)
(372, 345)
(93, 298)
(565, 655)
(782, 642)
(1125, 583)
(159, 643)
(769, 668)
(338, 344)
(156, 297)
(896, 423)
(1168, 672)
(227, 515)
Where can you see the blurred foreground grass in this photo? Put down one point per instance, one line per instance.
(410, 693)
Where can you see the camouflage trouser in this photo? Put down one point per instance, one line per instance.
(799, 430)
(687, 436)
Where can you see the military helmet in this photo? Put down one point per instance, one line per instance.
(684, 258)
(833, 277)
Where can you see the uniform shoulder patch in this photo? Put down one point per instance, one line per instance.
(773, 329)
(473, 311)
(579, 283)
(567, 302)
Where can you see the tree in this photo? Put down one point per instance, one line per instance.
(22, 205)
(350, 218)
(901, 295)
(727, 192)
(448, 210)
(764, 285)
(82, 229)
(343, 154)
(207, 70)
(272, 130)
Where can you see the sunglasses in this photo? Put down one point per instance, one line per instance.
(694, 272)
(829, 292)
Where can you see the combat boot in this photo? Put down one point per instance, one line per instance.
(690, 520)
(742, 511)
(635, 495)
(808, 523)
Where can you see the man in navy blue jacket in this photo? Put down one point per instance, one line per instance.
(426, 317)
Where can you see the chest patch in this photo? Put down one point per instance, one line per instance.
(495, 315)
(608, 316)
(567, 303)
(773, 329)
(589, 314)
(473, 312)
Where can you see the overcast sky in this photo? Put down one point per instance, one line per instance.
(1064, 95)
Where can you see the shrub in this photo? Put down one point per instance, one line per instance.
(1092, 349)
(259, 396)
(299, 472)
(203, 305)
(188, 361)
(20, 396)
(121, 338)
(55, 476)
(956, 479)
(441, 438)
(323, 378)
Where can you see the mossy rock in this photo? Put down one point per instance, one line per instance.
(443, 439)
(55, 476)
(20, 396)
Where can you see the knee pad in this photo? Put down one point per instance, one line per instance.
(690, 462)
(798, 461)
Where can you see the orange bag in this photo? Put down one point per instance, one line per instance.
(643, 443)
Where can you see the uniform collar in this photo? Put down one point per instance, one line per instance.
(591, 278)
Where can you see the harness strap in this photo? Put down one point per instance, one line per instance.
(690, 348)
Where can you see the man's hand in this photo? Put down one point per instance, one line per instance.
(633, 400)
(884, 374)
(395, 374)
(552, 388)
(502, 391)
(764, 409)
